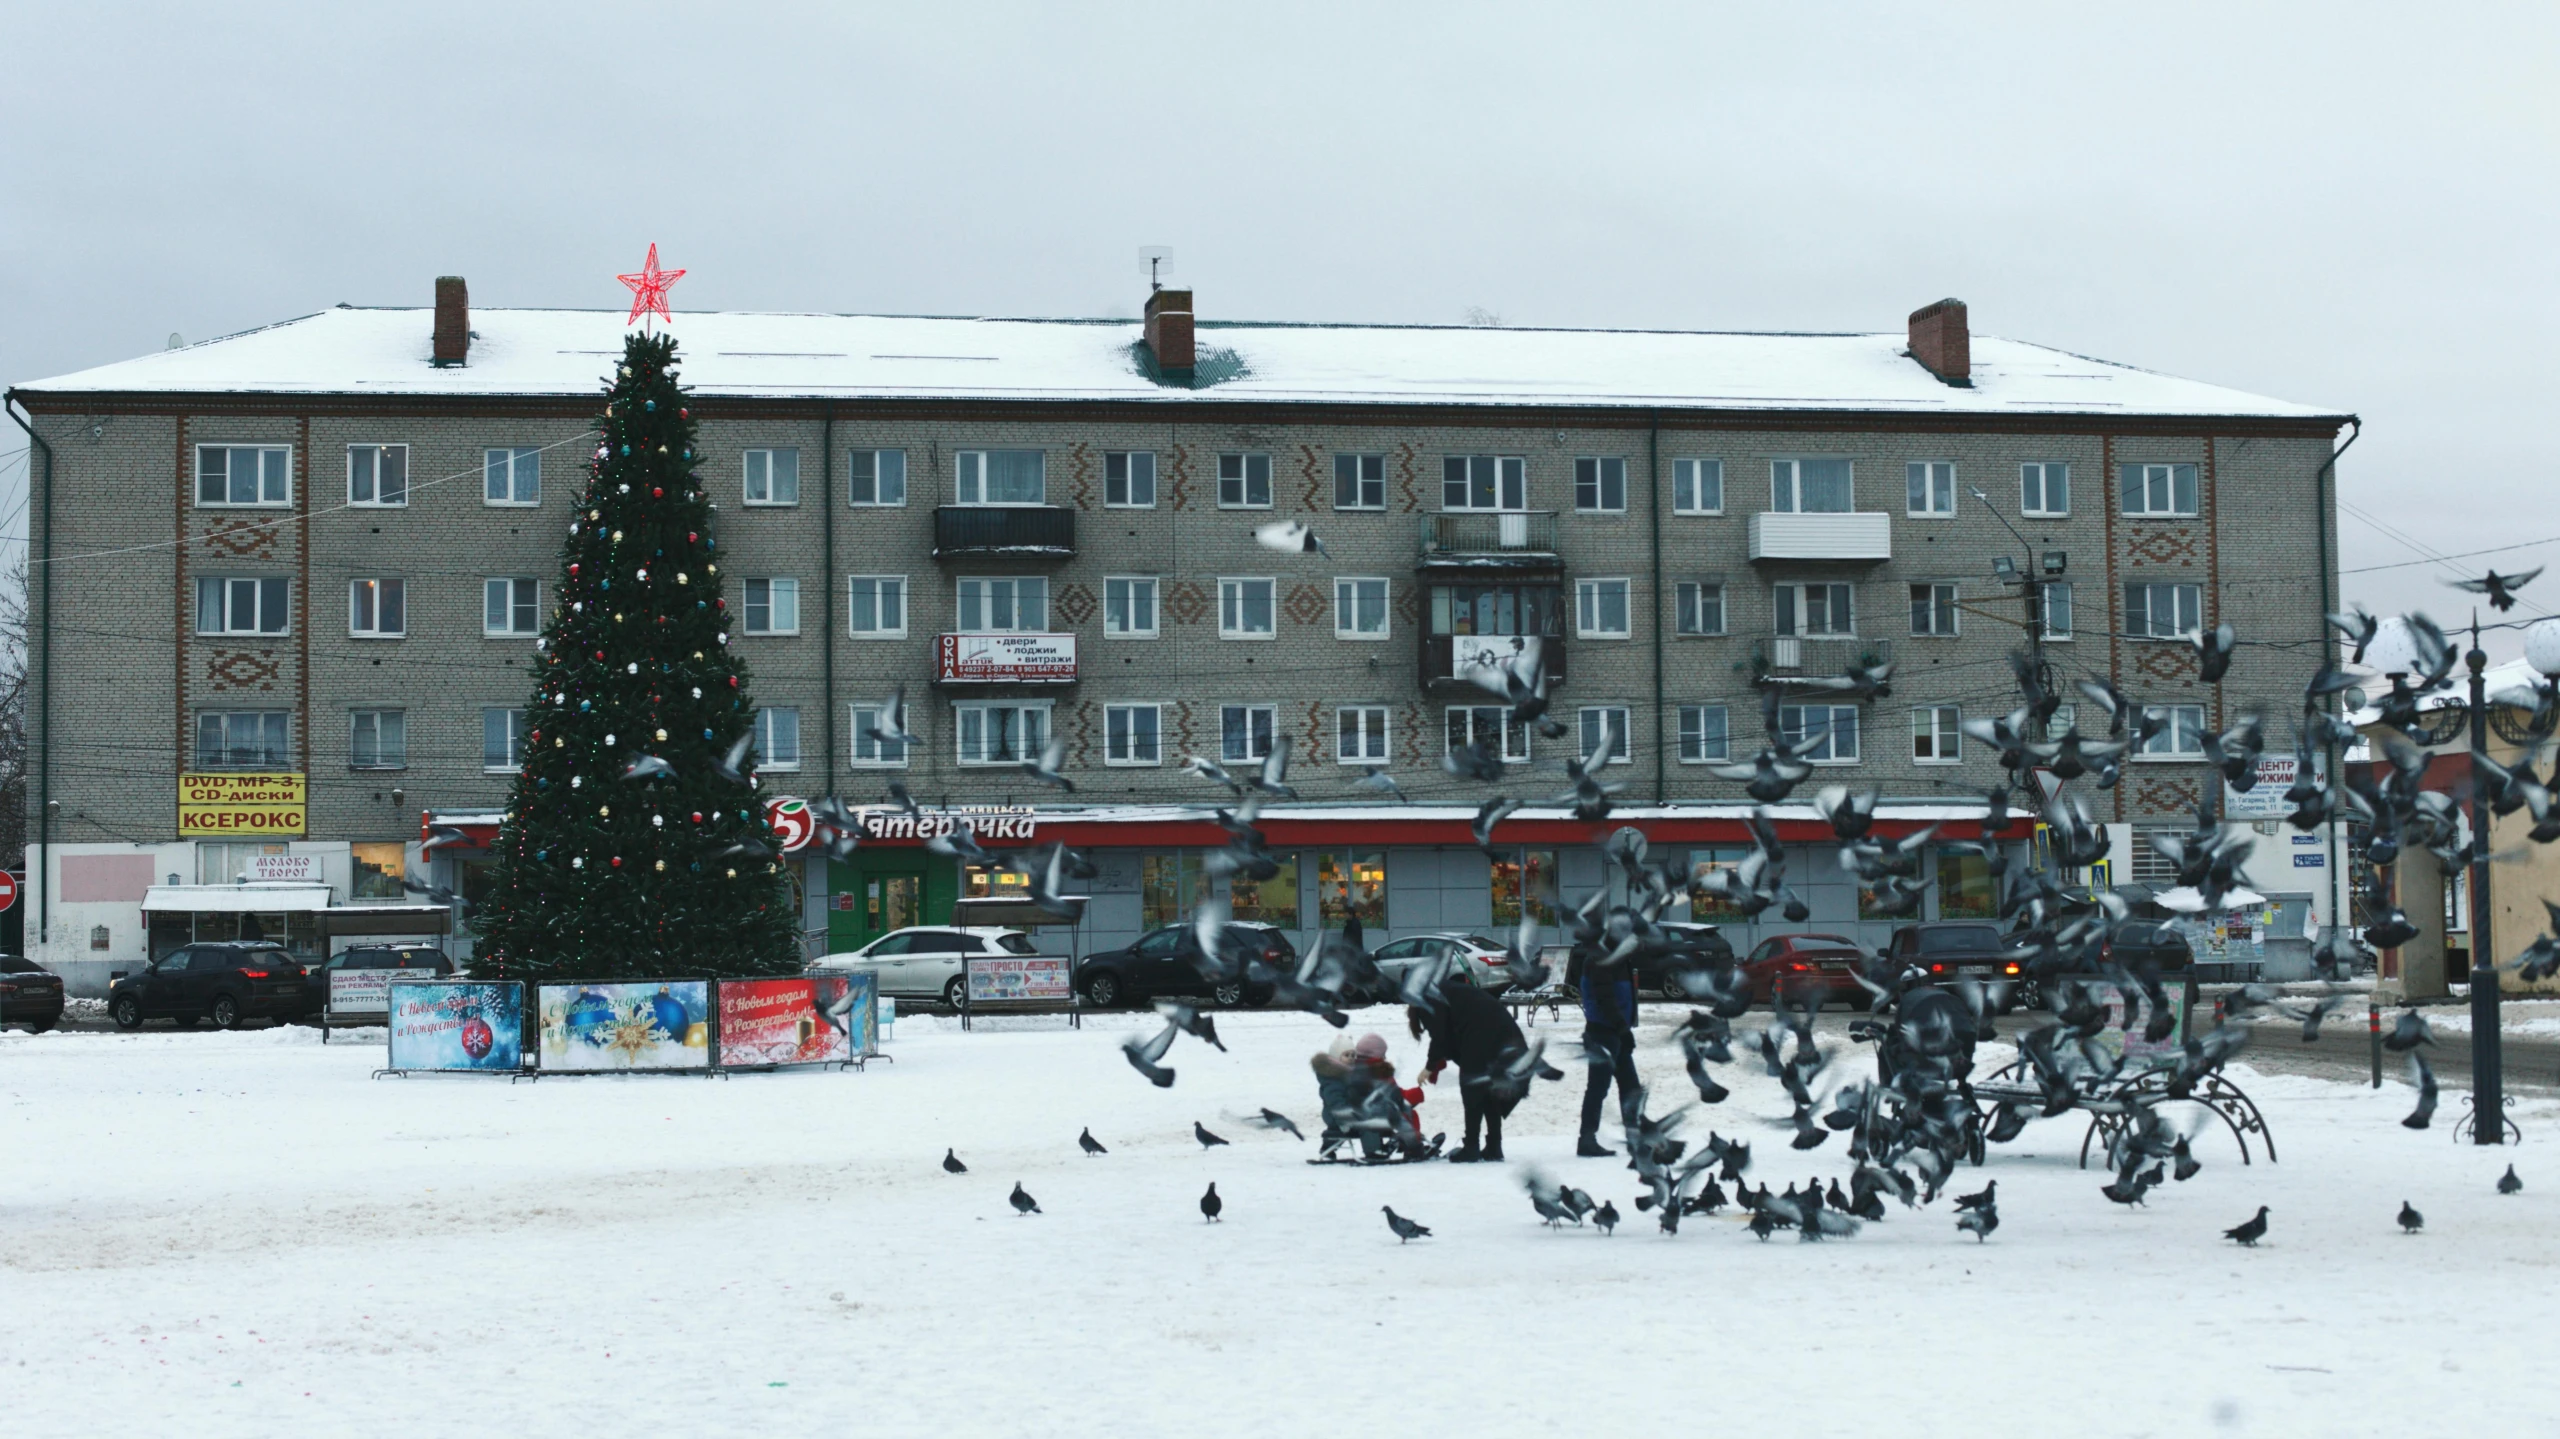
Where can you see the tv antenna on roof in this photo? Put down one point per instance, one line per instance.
(1157, 262)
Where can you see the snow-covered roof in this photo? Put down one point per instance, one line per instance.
(543, 353)
(267, 898)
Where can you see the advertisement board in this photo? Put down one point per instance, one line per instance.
(2265, 799)
(1468, 653)
(627, 1025)
(819, 1019)
(1009, 659)
(240, 806)
(2129, 1015)
(362, 993)
(999, 979)
(456, 1024)
(285, 869)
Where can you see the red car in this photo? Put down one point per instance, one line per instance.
(1804, 964)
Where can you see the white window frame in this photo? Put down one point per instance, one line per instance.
(1831, 732)
(1786, 483)
(283, 499)
(2148, 625)
(1937, 736)
(1945, 602)
(1029, 745)
(1243, 463)
(1130, 464)
(776, 586)
(854, 583)
(519, 606)
(2184, 736)
(365, 463)
(1587, 607)
(1119, 744)
(1346, 606)
(2044, 609)
(1232, 600)
(1694, 745)
(1689, 603)
(769, 756)
(368, 594)
(358, 721)
(1934, 480)
(1154, 589)
(1788, 614)
(1691, 478)
(880, 478)
(970, 472)
(1022, 585)
(515, 725)
(1587, 737)
(1358, 464)
(2038, 480)
(1510, 484)
(866, 752)
(279, 758)
(1592, 476)
(227, 593)
(1270, 727)
(1512, 729)
(747, 486)
(2139, 477)
(1370, 727)
(515, 458)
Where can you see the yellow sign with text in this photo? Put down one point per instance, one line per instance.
(241, 806)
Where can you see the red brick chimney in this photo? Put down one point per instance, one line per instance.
(1942, 342)
(1169, 332)
(453, 321)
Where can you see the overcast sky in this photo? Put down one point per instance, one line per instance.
(2343, 204)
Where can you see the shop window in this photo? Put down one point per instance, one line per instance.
(979, 881)
(1267, 901)
(1352, 884)
(227, 862)
(1169, 888)
(1964, 887)
(1525, 877)
(379, 869)
(1706, 903)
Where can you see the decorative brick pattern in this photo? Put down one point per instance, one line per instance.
(1074, 602)
(1185, 735)
(1185, 602)
(2166, 662)
(243, 670)
(2166, 545)
(1314, 496)
(242, 539)
(1409, 606)
(1305, 604)
(1177, 490)
(1312, 749)
(1405, 481)
(1080, 735)
(1080, 469)
(1417, 722)
(2165, 796)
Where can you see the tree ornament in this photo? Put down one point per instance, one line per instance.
(697, 689)
(632, 668)
(608, 741)
(662, 866)
(662, 736)
(657, 821)
(578, 862)
(733, 874)
(604, 811)
(680, 579)
(697, 816)
(617, 861)
(576, 780)
(649, 292)
(656, 493)
(644, 573)
(617, 534)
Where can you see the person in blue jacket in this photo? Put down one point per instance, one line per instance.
(1608, 1040)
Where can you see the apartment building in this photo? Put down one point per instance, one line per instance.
(288, 582)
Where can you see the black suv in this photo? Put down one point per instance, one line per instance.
(2136, 942)
(1167, 961)
(226, 983)
(30, 994)
(428, 962)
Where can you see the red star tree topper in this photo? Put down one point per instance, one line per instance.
(649, 288)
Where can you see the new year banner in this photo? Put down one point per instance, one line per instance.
(640, 1024)
(456, 1024)
(816, 1020)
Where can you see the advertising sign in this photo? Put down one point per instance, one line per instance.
(240, 805)
(457, 1024)
(820, 1019)
(997, 979)
(793, 825)
(986, 821)
(284, 868)
(635, 1024)
(1468, 653)
(2265, 799)
(362, 993)
(1009, 659)
(2128, 1015)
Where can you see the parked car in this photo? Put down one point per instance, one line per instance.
(925, 961)
(228, 983)
(2135, 942)
(1802, 963)
(425, 959)
(1964, 949)
(1166, 961)
(1653, 973)
(1481, 961)
(30, 994)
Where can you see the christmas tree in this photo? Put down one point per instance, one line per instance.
(635, 844)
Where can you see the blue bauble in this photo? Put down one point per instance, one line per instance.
(590, 1017)
(671, 1016)
(649, 404)
(626, 449)
(706, 734)
(584, 704)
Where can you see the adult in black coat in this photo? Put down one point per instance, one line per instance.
(1475, 1031)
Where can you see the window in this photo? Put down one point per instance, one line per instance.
(1267, 901)
(1492, 724)
(1484, 482)
(2057, 609)
(380, 866)
(1600, 609)
(1359, 482)
(876, 477)
(1933, 609)
(773, 477)
(1004, 477)
(244, 475)
(378, 475)
(1244, 482)
(1352, 885)
(2163, 612)
(2044, 489)
(1359, 609)
(1244, 732)
(869, 751)
(1129, 479)
(877, 607)
(1497, 610)
(1006, 604)
(379, 740)
(1600, 485)
(1699, 607)
(511, 477)
(1244, 609)
(2167, 490)
(1170, 887)
(501, 740)
(2181, 737)
(1708, 899)
(1705, 736)
(778, 738)
(234, 606)
(2065, 719)
(1823, 734)
(1697, 487)
(510, 607)
(1129, 606)
(1002, 733)
(1965, 887)
(1360, 734)
(1815, 610)
(1935, 738)
(1932, 486)
(377, 609)
(773, 607)
(1812, 487)
(241, 739)
(1132, 734)
(1609, 724)
(1523, 879)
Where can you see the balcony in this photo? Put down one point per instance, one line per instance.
(1483, 539)
(1005, 659)
(1790, 661)
(1454, 659)
(1034, 532)
(1857, 538)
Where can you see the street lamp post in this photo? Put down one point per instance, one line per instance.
(2488, 1074)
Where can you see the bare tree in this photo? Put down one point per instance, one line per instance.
(13, 716)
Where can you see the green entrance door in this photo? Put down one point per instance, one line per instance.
(883, 890)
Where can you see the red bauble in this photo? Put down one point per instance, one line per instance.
(657, 493)
(690, 537)
(682, 414)
(573, 569)
(476, 1038)
(697, 816)
(733, 681)
(617, 861)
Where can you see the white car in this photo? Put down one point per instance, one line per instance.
(1481, 961)
(924, 962)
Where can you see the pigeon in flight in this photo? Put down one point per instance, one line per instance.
(2423, 1075)
(2250, 1231)
(2213, 653)
(951, 1163)
(1145, 1053)
(1196, 1023)
(1201, 1132)
(2411, 1221)
(1480, 762)
(1983, 1200)
(648, 766)
(1406, 1230)
(2508, 1183)
(961, 844)
(1379, 781)
(1979, 1222)
(905, 802)
(1491, 813)
(1045, 769)
(1211, 1205)
(1022, 1201)
(1290, 537)
(2501, 589)
(1272, 778)
(891, 726)
(733, 765)
(1090, 1145)
(1274, 1119)
(1211, 771)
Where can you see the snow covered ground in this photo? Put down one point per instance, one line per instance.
(241, 1234)
(2522, 1018)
